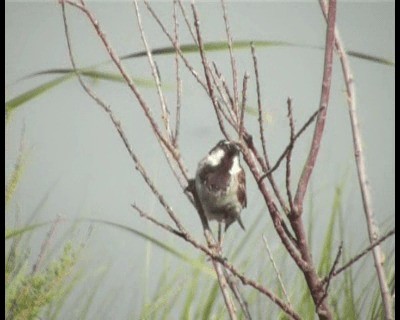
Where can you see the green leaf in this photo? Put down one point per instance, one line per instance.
(326, 254)
(30, 94)
(95, 75)
(68, 74)
(209, 46)
(246, 44)
(18, 232)
(369, 57)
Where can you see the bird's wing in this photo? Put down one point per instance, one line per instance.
(241, 193)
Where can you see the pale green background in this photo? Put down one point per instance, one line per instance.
(77, 155)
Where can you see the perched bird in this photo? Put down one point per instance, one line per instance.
(220, 184)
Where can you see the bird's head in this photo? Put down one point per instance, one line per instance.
(223, 151)
(225, 155)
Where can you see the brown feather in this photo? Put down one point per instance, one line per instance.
(241, 193)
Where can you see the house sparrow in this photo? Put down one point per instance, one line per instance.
(220, 184)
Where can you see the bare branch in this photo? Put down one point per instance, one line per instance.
(328, 281)
(207, 72)
(320, 124)
(243, 106)
(156, 222)
(227, 92)
(273, 210)
(373, 230)
(238, 295)
(233, 61)
(213, 255)
(189, 26)
(278, 274)
(289, 156)
(359, 256)
(310, 275)
(177, 48)
(117, 126)
(223, 284)
(160, 137)
(297, 135)
(178, 78)
(260, 113)
(223, 91)
(163, 104)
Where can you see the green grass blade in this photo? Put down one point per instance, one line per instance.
(68, 74)
(191, 295)
(246, 44)
(16, 175)
(95, 75)
(12, 104)
(18, 232)
(209, 303)
(89, 295)
(185, 48)
(371, 58)
(326, 254)
(165, 298)
(208, 46)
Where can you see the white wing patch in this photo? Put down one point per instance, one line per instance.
(214, 158)
(235, 169)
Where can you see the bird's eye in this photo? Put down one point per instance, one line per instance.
(222, 142)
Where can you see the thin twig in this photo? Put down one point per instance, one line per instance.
(360, 255)
(373, 230)
(265, 167)
(245, 280)
(330, 275)
(278, 274)
(296, 221)
(207, 71)
(217, 82)
(191, 188)
(177, 48)
(243, 106)
(189, 26)
(260, 115)
(117, 126)
(215, 248)
(230, 105)
(289, 242)
(156, 222)
(297, 135)
(154, 69)
(147, 111)
(249, 142)
(178, 78)
(289, 156)
(223, 284)
(238, 295)
(233, 61)
(323, 104)
(264, 162)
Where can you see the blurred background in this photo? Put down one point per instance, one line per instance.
(76, 166)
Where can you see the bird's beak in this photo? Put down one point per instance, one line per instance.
(236, 146)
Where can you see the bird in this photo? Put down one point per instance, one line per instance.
(220, 184)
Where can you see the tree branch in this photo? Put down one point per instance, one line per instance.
(373, 230)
